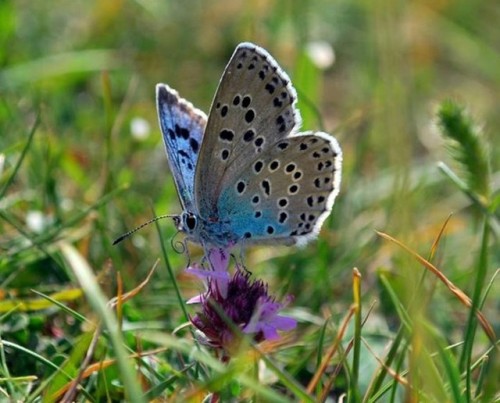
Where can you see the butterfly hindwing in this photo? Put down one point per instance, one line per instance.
(253, 108)
(182, 127)
(286, 193)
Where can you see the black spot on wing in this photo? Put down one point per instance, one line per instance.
(245, 103)
(181, 132)
(194, 145)
(249, 135)
(249, 116)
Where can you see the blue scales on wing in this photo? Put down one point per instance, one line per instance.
(182, 126)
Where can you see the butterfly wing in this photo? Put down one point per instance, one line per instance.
(182, 126)
(285, 194)
(253, 108)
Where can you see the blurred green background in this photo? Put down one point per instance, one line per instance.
(372, 73)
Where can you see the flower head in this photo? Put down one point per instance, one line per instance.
(235, 301)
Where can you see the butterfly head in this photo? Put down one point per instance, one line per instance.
(208, 232)
(186, 222)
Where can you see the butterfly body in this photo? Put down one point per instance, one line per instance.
(244, 174)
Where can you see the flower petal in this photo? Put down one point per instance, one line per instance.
(219, 260)
(270, 332)
(207, 274)
(284, 322)
(198, 299)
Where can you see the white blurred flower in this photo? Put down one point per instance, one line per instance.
(266, 376)
(67, 204)
(139, 241)
(139, 128)
(36, 221)
(2, 162)
(321, 54)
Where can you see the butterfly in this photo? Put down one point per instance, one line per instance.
(244, 174)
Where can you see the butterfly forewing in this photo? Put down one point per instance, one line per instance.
(182, 127)
(286, 193)
(253, 108)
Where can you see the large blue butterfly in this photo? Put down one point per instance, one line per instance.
(244, 174)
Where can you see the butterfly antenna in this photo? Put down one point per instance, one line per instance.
(127, 234)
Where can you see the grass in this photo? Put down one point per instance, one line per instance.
(397, 300)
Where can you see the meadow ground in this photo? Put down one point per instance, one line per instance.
(397, 299)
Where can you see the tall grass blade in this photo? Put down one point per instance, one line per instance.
(98, 302)
(21, 158)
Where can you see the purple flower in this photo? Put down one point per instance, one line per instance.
(217, 277)
(235, 300)
(266, 320)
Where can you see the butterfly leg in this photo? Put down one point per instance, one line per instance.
(241, 260)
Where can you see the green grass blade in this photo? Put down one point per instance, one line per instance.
(5, 370)
(21, 158)
(70, 366)
(354, 395)
(65, 308)
(452, 372)
(307, 79)
(376, 385)
(181, 301)
(471, 326)
(319, 357)
(38, 357)
(98, 302)
(57, 65)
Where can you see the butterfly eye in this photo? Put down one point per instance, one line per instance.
(189, 220)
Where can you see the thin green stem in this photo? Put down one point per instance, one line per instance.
(470, 328)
